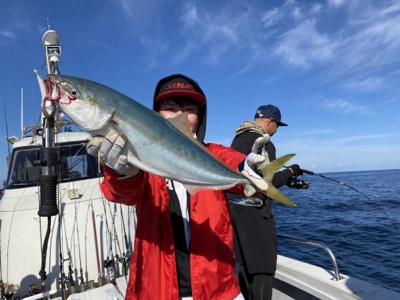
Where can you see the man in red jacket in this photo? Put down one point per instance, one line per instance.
(184, 243)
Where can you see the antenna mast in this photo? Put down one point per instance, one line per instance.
(5, 119)
(48, 153)
(22, 112)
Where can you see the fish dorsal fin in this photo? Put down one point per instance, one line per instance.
(182, 124)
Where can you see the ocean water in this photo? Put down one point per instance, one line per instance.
(364, 234)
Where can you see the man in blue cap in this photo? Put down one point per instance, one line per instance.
(255, 237)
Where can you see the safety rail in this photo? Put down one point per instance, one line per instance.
(321, 245)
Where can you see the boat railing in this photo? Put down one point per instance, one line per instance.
(36, 129)
(320, 245)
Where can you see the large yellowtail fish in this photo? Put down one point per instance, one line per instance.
(154, 145)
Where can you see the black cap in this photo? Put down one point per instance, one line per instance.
(180, 87)
(184, 86)
(270, 112)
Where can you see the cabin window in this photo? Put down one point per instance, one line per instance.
(74, 164)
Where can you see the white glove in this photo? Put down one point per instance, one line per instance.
(112, 152)
(253, 163)
(258, 161)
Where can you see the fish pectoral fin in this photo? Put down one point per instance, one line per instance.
(278, 196)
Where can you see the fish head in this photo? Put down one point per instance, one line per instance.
(81, 100)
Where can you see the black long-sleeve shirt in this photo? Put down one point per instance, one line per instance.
(244, 142)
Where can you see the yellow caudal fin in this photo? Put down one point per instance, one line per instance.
(268, 172)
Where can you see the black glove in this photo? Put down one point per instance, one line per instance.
(296, 170)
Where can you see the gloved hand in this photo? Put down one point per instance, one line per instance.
(111, 150)
(296, 171)
(253, 163)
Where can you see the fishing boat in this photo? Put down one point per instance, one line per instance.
(85, 243)
(61, 239)
(59, 236)
(295, 279)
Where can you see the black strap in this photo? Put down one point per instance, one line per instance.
(182, 253)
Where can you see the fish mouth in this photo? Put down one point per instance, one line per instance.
(52, 89)
(48, 88)
(56, 89)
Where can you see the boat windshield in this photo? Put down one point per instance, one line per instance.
(75, 164)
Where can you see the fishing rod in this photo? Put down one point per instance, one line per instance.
(354, 189)
(80, 278)
(69, 278)
(125, 256)
(109, 262)
(100, 275)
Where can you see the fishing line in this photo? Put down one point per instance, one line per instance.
(354, 189)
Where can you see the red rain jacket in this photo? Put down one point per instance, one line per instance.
(153, 267)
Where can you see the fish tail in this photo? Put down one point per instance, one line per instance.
(268, 173)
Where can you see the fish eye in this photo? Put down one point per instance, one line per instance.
(73, 92)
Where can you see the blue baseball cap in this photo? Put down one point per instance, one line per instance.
(270, 112)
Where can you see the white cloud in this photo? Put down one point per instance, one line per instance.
(7, 34)
(365, 84)
(272, 17)
(127, 8)
(154, 50)
(336, 3)
(190, 16)
(344, 107)
(316, 131)
(350, 139)
(304, 46)
(338, 38)
(6, 37)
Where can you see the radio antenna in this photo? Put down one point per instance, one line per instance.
(5, 119)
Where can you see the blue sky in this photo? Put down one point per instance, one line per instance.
(331, 66)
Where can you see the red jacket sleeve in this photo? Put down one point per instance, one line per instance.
(231, 158)
(129, 191)
(119, 190)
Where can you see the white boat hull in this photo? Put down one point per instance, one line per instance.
(298, 280)
(72, 234)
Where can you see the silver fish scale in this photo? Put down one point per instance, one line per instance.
(156, 146)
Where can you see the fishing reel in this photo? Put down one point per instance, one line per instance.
(124, 261)
(299, 183)
(109, 265)
(33, 290)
